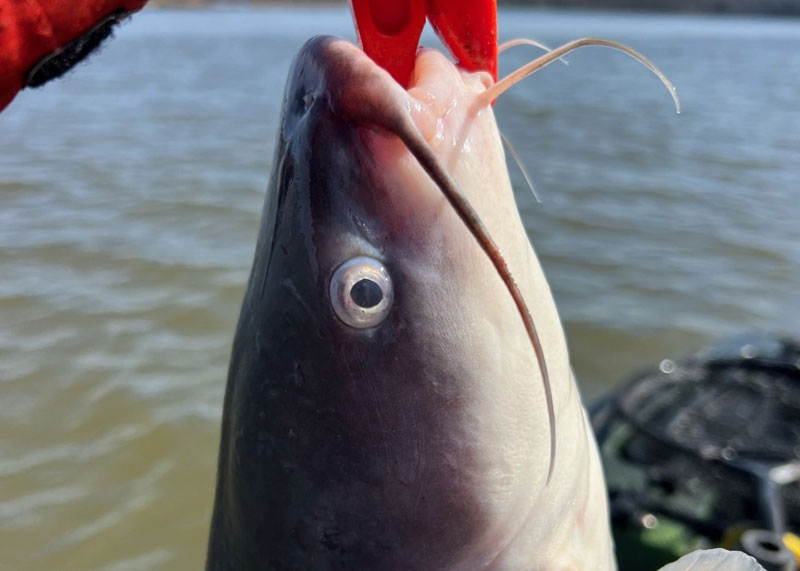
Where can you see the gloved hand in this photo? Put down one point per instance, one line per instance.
(42, 39)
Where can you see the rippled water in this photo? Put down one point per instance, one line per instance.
(130, 197)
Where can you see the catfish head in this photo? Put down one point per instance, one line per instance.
(399, 394)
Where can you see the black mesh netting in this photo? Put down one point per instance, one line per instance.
(696, 440)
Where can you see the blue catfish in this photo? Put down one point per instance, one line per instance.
(400, 395)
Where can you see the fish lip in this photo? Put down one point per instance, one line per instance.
(333, 72)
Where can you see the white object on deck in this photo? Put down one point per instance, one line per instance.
(714, 560)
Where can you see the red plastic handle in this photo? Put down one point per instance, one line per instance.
(389, 30)
(469, 30)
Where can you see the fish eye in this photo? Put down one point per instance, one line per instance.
(361, 292)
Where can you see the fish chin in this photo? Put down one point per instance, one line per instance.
(422, 442)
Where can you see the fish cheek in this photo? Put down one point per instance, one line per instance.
(394, 467)
(397, 480)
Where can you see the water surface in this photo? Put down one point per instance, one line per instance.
(130, 196)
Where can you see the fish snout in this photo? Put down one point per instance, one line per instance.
(332, 73)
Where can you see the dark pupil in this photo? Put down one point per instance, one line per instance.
(366, 293)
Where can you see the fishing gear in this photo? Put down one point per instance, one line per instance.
(41, 40)
(705, 452)
(389, 30)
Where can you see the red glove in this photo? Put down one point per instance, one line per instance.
(389, 31)
(41, 39)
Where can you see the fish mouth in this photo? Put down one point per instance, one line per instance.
(334, 72)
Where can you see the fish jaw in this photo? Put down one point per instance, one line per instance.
(421, 444)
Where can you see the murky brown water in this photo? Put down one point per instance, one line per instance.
(130, 196)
